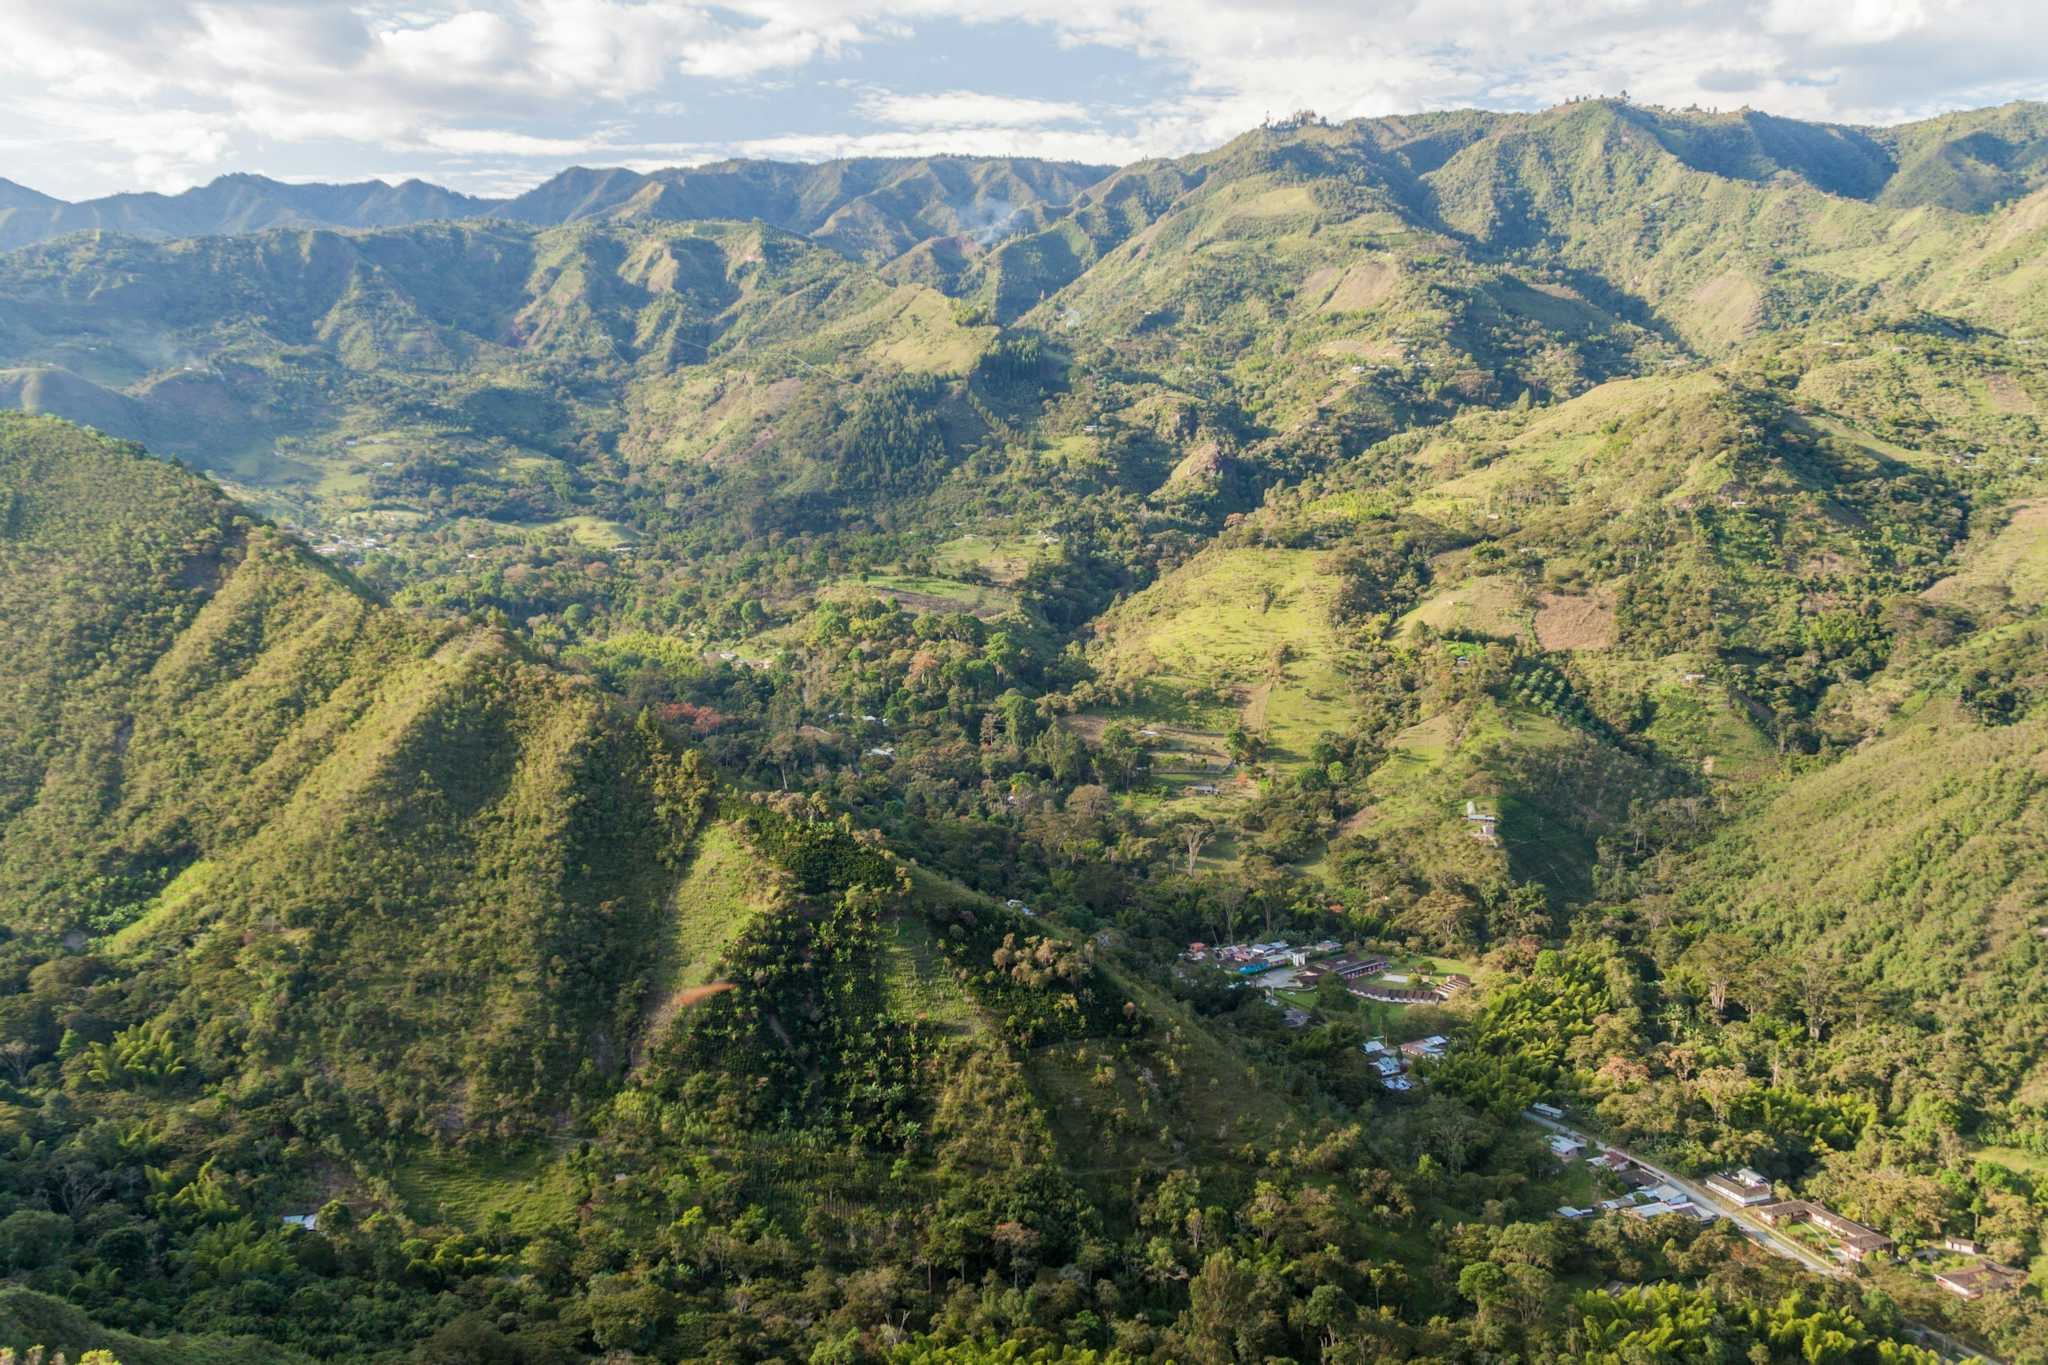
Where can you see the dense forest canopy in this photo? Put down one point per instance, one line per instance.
(741, 765)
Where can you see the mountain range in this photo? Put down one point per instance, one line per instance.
(656, 769)
(1965, 162)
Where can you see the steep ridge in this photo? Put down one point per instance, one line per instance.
(1925, 895)
(877, 208)
(258, 765)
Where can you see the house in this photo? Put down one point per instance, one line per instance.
(1963, 1245)
(1567, 1211)
(1353, 969)
(1855, 1242)
(1985, 1277)
(1549, 1111)
(1388, 1066)
(1453, 985)
(1432, 1046)
(1296, 1018)
(1565, 1148)
(1657, 1209)
(1742, 1188)
(1783, 1214)
(1372, 1047)
(1484, 824)
(306, 1222)
(1388, 995)
(1397, 1083)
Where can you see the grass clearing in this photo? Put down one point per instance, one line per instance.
(595, 533)
(913, 326)
(178, 893)
(531, 1190)
(1417, 798)
(2013, 559)
(1487, 605)
(2014, 1159)
(1005, 559)
(927, 592)
(722, 892)
(1237, 635)
(917, 981)
(726, 887)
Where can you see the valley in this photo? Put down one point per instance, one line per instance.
(727, 764)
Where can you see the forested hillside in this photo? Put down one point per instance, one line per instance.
(733, 764)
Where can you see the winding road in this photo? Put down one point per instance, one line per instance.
(1768, 1238)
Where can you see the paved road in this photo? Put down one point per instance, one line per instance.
(1769, 1238)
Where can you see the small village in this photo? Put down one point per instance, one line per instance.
(1286, 973)
(1957, 1264)
(1280, 966)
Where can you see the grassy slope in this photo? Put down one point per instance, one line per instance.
(526, 1190)
(1215, 626)
(1916, 862)
(462, 839)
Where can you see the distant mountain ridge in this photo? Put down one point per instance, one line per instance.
(880, 207)
(865, 206)
(232, 204)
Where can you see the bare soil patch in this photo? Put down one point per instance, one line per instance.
(1565, 622)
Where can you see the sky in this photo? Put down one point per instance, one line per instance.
(493, 96)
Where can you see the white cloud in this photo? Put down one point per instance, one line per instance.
(472, 46)
(955, 109)
(501, 142)
(1053, 144)
(773, 45)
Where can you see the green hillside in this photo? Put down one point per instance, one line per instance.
(1928, 886)
(242, 762)
(687, 766)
